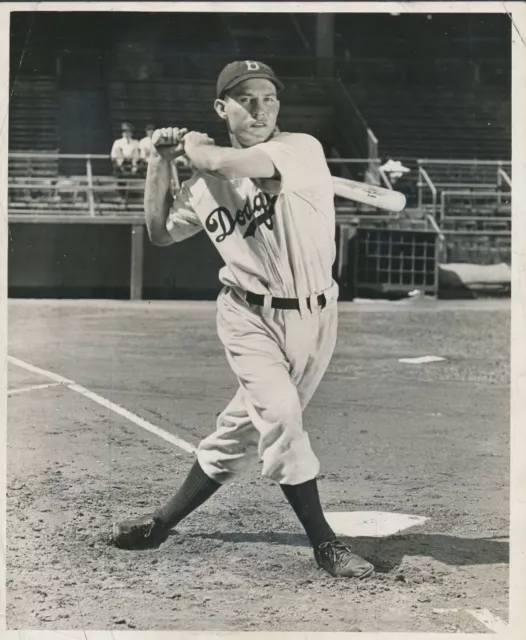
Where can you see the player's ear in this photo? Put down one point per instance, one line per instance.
(220, 108)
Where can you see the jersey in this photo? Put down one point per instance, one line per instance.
(275, 236)
(145, 147)
(128, 149)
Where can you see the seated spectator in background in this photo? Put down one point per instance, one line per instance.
(125, 155)
(66, 189)
(145, 149)
(125, 152)
(394, 170)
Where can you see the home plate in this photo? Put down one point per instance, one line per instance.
(421, 359)
(373, 524)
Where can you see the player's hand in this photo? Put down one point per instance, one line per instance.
(196, 139)
(168, 142)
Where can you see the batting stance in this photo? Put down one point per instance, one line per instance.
(267, 204)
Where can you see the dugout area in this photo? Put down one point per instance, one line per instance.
(104, 260)
(118, 261)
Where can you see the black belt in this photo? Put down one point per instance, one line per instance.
(283, 303)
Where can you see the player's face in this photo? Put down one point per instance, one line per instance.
(251, 110)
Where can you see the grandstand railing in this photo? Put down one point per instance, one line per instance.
(80, 198)
(476, 225)
(490, 166)
(75, 195)
(477, 207)
(502, 176)
(423, 175)
(450, 175)
(70, 195)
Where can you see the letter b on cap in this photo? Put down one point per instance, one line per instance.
(252, 66)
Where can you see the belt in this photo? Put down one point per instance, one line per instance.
(283, 303)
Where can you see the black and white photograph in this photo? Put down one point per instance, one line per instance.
(259, 307)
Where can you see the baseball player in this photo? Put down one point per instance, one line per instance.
(267, 204)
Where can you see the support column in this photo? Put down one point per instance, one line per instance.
(325, 44)
(136, 266)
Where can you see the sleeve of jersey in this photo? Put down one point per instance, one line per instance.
(300, 160)
(182, 222)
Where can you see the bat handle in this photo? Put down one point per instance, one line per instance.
(175, 176)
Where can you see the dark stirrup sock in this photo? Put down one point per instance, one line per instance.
(305, 501)
(196, 489)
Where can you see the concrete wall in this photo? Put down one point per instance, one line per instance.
(93, 261)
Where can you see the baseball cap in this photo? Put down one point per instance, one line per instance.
(236, 72)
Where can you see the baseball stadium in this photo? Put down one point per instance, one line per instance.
(116, 372)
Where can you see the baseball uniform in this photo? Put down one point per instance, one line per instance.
(276, 238)
(124, 148)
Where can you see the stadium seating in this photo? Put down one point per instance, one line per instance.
(463, 175)
(430, 122)
(306, 107)
(33, 127)
(33, 114)
(478, 248)
(265, 35)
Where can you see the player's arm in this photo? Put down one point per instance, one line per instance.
(299, 160)
(227, 162)
(158, 200)
(168, 220)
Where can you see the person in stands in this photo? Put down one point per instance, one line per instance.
(145, 149)
(125, 155)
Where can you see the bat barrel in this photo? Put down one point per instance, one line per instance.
(369, 194)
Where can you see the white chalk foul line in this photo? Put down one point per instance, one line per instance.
(133, 417)
(488, 619)
(43, 372)
(491, 621)
(112, 406)
(14, 392)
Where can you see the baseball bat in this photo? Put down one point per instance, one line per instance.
(369, 194)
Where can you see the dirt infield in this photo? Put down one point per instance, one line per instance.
(429, 440)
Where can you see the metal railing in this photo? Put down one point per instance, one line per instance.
(473, 196)
(502, 175)
(472, 232)
(434, 225)
(423, 175)
(99, 195)
(496, 171)
(79, 203)
(73, 194)
(497, 177)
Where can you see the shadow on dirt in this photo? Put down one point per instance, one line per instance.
(387, 553)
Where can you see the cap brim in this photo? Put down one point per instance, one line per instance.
(265, 76)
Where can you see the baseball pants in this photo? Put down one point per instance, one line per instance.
(279, 358)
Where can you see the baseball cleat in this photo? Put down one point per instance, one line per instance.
(139, 533)
(340, 562)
